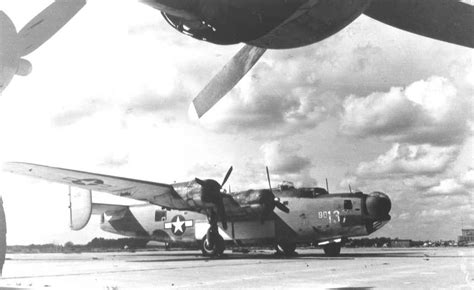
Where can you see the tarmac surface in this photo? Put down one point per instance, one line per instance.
(356, 268)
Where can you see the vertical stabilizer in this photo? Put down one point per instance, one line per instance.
(80, 207)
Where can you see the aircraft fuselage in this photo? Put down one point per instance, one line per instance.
(326, 217)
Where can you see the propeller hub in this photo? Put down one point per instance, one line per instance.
(211, 190)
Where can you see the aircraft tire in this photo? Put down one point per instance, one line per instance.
(217, 250)
(288, 249)
(332, 249)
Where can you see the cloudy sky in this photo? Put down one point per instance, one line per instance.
(374, 107)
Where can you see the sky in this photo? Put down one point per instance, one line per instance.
(372, 107)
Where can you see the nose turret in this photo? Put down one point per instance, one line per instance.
(378, 206)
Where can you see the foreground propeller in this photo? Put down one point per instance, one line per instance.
(211, 193)
(14, 46)
(269, 201)
(227, 78)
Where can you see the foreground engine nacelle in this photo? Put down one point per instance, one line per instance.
(262, 23)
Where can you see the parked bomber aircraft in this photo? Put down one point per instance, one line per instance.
(189, 212)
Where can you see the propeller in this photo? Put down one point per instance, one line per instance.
(269, 201)
(227, 78)
(14, 46)
(211, 192)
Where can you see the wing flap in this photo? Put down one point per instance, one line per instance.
(446, 20)
(156, 193)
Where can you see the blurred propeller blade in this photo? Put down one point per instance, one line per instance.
(14, 45)
(9, 56)
(227, 78)
(227, 176)
(268, 178)
(46, 24)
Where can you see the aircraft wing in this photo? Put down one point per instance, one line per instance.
(155, 193)
(447, 20)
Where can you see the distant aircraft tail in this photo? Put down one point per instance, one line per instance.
(3, 235)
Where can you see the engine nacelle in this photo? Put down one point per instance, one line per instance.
(262, 23)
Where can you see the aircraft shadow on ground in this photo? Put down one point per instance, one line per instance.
(176, 256)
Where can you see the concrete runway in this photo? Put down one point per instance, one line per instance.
(355, 268)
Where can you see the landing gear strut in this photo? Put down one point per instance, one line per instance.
(213, 243)
(332, 249)
(286, 248)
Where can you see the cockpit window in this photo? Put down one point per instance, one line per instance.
(160, 215)
(347, 204)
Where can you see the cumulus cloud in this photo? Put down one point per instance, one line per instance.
(285, 163)
(404, 159)
(77, 113)
(429, 213)
(285, 103)
(461, 185)
(283, 158)
(115, 160)
(427, 111)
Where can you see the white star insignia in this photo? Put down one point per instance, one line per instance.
(178, 225)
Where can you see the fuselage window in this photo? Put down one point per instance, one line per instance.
(347, 204)
(160, 215)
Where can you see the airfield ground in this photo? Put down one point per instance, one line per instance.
(355, 268)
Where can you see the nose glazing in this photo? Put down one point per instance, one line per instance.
(378, 205)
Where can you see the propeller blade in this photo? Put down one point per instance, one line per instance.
(445, 20)
(227, 78)
(282, 207)
(221, 212)
(268, 178)
(9, 57)
(227, 176)
(46, 24)
(199, 181)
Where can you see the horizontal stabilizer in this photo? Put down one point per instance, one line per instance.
(108, 203)
(447, 20)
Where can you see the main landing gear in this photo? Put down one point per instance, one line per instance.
(332, 249)
(285, 248)
(212, 244)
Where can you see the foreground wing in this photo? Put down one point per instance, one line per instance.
(156, 193)
(446, 20)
